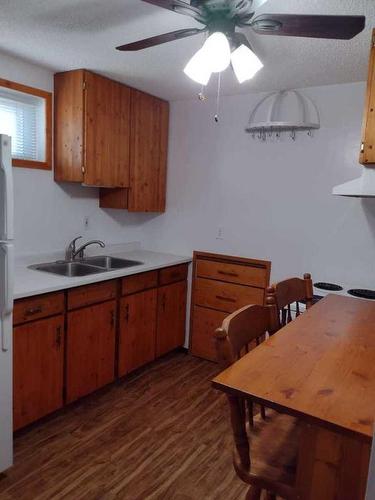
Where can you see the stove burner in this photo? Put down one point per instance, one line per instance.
(364, 294)
(332, 287)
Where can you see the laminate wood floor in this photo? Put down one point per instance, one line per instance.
(162, 433)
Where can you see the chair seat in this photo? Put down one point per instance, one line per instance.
(274, 449)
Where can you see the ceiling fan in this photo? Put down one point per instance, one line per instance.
(225, 45)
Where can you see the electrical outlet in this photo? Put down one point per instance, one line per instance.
(220, 233)
(86, 222)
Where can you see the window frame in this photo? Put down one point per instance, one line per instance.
(47, 96)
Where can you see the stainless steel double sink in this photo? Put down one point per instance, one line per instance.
(86, 266)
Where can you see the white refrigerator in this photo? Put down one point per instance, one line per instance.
(6, 302)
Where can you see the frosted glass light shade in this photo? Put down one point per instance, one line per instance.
(245, 63)
(197, 68)
(217, 52)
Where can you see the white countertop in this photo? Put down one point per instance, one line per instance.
(29, 282)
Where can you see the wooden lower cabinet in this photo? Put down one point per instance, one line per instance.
(221, 285)
(38, 365)
(65, 343)
(205, 323)
(137, 334)
(90, 349)
(171, 317)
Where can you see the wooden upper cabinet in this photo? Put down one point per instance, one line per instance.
(148, 158)
(92, 130)
(367, 154)
(148, 154)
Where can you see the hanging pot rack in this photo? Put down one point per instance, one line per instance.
(308, 119)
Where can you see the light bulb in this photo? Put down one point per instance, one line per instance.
(245, 63)
(197, 68)
(217, 52)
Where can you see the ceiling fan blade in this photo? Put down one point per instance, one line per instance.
(159, 39)
(180, 7)
(336, 27)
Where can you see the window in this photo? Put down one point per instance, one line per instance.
(26, 115)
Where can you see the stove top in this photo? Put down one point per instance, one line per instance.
(322, 288)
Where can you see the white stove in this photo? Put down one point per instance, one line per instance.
(322, 288)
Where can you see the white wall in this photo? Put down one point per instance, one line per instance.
(48, 215)
(272, 200)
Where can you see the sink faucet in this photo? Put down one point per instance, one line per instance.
(72, 252)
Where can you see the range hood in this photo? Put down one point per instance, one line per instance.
(362, 187)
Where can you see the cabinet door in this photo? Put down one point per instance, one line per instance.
(68, 126)
(137, 330)
(149, 144)
(90, 349)
(107, 132)
(204, 322)
(38, 355)
(171, 317)
(367, 155)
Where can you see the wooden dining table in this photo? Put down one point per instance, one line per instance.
(321, 369)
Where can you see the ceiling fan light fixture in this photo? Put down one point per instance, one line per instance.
(197, 68)
(217, 52)
(245, 63)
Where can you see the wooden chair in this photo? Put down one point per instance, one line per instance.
(280, 296)
(274, 442)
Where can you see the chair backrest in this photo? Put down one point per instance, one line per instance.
(238, 331)
(280, 296)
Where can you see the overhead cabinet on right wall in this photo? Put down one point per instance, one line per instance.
(367, 155)
(149, 124)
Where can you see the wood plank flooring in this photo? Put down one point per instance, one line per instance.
(162, 433)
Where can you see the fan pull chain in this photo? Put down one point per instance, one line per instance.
(201, 95)
(218, 98)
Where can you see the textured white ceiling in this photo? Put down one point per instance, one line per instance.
(67, 34)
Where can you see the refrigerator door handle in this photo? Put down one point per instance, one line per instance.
(6, 181)
(7, 293)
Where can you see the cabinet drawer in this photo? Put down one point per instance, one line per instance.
(139, 282)
(256, 275)
(173, 274)
(225, 296)
(205, 322)
(91, 294)
(38, 307)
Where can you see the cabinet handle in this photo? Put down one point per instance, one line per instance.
(58, 337)
(227, 299)
(127, 313)
(33, 310)
(113, 319)
(163, 301)
(227, 273)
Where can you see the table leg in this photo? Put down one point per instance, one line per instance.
(331, 466)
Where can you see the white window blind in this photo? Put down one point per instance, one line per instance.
(22, 116)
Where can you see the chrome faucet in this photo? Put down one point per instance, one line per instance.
(72, 252)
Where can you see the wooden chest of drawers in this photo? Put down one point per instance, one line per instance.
(221, 285)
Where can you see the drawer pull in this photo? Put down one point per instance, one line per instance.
(58, 337)
(33, 310)
(227, 273)
(113, 319)
(227, 299)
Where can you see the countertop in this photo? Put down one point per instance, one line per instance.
(29, 282)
